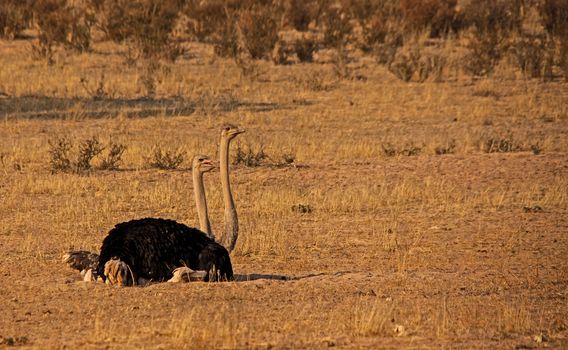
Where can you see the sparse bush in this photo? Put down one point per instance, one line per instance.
(288, 158)
(63, 159)
(147, 78)
(390, 150)
(166, 159)
(485, 51)
(377, 20)
(259, 30)
(14, 17)
(59, 152)
(563, 59)
(500, 145)
(145, 24)
(88, 150)
(437, 15)
(304, 49)
(340, 61)
(302, 208)
(431, 66)
(280, 53)
(60, 23)
(405, 64)
(446, 149)
(248, 68)
(53, 23)
(494, 16)
(337, 26)
(250, 157)
(529, 54)
(313, 81)
(386, 52)
(554, 15)
(299, 13)
(206, 17)
(114, 157)
(97, 93)
(374, 32)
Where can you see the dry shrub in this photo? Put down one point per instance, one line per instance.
(148, 77)
(431, 67)
(299, 13)
(234, 25)
(340, 62)
(214, 22)
(96, 93)
(114, 157)
(59, 152)
(305, 49)
(376, 20)
(313, 81)
(554, 16)
(59, 23)
(145, 24)
(390, 150)
(497, 30)
(14, 17)
(563, 58)
(259, 30)
(205, 18)
(166, 159)
(485, 51)
(529, 55)
(250, 157)
(64, 157)
(489, 16)
(405, 64)
(438, 15)
(337, 26)
(88, 150)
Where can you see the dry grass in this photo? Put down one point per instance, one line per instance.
(461, 248)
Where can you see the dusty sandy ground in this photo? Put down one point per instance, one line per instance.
(416, 250)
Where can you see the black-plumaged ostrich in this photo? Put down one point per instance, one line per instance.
(151, 249)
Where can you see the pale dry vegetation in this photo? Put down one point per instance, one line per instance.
(412, 185)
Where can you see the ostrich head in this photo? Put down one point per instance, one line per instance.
(229, 131)
(202, 164)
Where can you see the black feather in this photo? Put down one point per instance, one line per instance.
(153, 248)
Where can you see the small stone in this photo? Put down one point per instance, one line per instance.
(399, 330)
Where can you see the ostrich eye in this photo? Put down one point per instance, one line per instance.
(227, 128)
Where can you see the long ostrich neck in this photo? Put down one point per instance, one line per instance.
(201, 203)
(231, 222)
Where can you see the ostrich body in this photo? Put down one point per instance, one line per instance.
(153, 248)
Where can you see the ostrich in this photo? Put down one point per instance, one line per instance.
(86, 261)
(149, 249)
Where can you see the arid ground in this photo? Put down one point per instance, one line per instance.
(406, 215)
